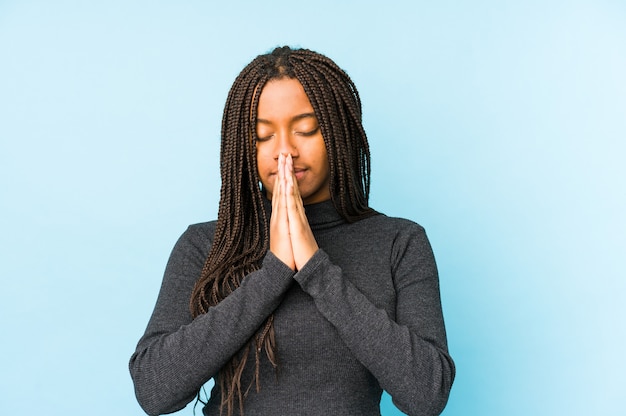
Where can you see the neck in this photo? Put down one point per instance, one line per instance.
(320, 214)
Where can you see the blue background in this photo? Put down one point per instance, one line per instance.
(497, 125)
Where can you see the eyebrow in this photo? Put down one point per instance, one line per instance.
(295, 118)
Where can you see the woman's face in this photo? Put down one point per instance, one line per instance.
(287, 124)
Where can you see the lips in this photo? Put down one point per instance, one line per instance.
(296, 171)
(299, 172)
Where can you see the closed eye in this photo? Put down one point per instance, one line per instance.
(308, 133)
(264, 138)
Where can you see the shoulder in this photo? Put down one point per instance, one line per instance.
(411, 253)
(196, 240)
(383, 222)
(401, 234)
(201, 230)
(384, 232)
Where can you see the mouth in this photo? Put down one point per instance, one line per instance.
(299, 173)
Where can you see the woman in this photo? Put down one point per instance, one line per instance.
(300, 298)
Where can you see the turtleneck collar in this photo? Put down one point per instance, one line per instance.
(323, 215)
(320, 215)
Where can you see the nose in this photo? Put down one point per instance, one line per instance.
(285, 144)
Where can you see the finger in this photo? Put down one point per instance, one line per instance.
(282, 200)
(292, 177)
(282, 174)
(289, 179)
(280, 242)
(302, 240)
(295, 206)
(276, 191)
(291, 189)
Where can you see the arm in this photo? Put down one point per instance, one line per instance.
(408, 355)
(178, 354)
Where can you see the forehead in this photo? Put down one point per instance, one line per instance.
(281, 98)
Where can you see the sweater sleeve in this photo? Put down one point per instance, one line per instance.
(408, 355)
(178, 354)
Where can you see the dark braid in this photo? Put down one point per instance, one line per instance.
(241, 237)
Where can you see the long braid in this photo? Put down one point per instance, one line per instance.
(344, 134)
(241, 237)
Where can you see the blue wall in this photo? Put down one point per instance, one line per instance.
(499, 126)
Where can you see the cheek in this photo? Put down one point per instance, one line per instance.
(265, 165)
(261, 159)
(323, 156)
(266, 181)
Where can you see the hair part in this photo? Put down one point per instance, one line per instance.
(241, 238)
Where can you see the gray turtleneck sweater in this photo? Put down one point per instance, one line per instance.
(363, 315)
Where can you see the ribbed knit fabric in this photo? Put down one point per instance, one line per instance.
(364, 314)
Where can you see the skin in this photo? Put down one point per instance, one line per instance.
(293, 167)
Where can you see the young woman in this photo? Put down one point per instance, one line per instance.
(300, 299)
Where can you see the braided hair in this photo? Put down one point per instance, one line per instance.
(241, 237)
